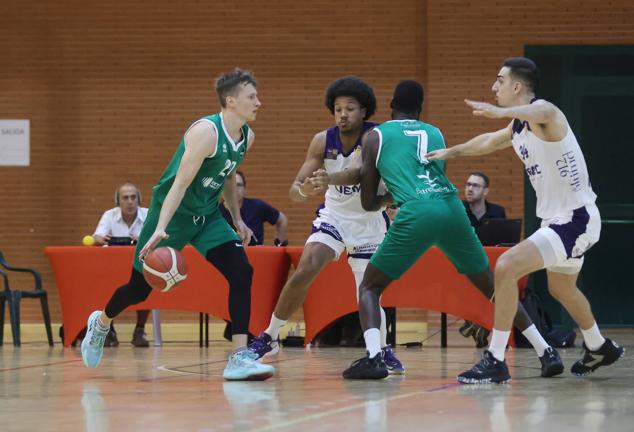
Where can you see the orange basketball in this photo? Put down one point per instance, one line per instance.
(164, 268)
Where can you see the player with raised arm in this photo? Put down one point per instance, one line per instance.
(543, 140)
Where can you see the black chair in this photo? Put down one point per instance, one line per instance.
(15, 296)
(5, 295)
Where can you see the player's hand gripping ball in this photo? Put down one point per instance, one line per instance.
(164, 268)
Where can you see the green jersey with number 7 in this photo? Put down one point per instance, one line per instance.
(401, 161)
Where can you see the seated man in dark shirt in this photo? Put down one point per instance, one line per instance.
(478, 208)
(255, 212)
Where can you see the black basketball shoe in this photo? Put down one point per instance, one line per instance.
(551, 363)
(607, 354)
(367, 368)
(488, 370)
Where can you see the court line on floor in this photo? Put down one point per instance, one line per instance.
(179, 370)
(323, 414)
(40, 365)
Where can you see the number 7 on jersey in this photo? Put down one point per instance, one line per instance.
(421, 135)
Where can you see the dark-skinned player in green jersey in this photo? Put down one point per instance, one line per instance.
(430, 214)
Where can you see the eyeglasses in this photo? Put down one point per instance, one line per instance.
(474, 185)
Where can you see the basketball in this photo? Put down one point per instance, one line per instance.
(164, 268)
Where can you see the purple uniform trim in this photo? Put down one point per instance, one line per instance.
(518, 125)
(571, 231)
(386, 218)
(364, 255)
(333, 141)
(327, 229)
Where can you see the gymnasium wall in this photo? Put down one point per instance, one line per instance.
(110, 87)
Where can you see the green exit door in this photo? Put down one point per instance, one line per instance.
(594, 87)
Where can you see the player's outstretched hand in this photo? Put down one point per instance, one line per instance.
(438, 155)
(244, 232)
(321, 178)
(152, 242)
(483, 109)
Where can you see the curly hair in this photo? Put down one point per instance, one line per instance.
(354, 87)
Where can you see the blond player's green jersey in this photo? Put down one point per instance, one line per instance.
(202, 195)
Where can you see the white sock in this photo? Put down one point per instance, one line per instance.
(101, 326)
(383, 329)
(372, 341)
(592, 337)
(536, 339)
(358, 277)
(499, 340)
(274, 327)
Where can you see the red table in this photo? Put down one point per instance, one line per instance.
(87, 276)
(432, 283)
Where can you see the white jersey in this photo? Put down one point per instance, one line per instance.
(344, 201)
(557, 171)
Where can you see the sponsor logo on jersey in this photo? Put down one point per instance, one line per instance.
(533, 170)
(348, 190)
(436, 189)
(208, 182)
(332, 153)
(431, 181)
(433, 187)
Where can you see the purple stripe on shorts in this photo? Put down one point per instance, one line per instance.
(570, 232)
(327, 229)
(364, 255)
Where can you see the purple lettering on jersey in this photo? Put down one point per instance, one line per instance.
(533, 170)
(348, 190)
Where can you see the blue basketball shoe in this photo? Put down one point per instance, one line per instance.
(92, 345)
(264, 345)
(394, 365)
(243, 365)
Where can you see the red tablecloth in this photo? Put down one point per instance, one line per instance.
(87, 276)
(432, 283)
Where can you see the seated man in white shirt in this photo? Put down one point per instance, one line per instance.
(119, 225)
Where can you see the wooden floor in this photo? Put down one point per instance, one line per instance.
(178, 387)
